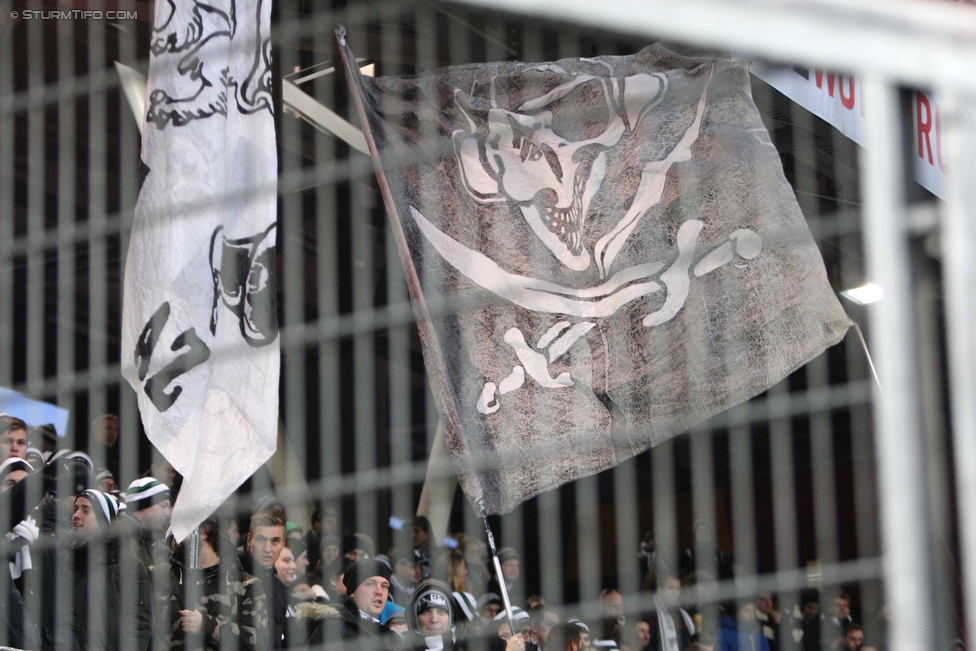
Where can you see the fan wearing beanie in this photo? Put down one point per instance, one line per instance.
(355, 617)
(367, 584)
(432, 617)
(146, 517)
(151, 499)
(12, 471)
(93, 513)
(96, 558)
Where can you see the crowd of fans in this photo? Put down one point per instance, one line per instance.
(117, 582)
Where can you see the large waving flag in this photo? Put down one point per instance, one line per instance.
(199, 333)
(619, 252)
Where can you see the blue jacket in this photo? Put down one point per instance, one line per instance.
(732, 639)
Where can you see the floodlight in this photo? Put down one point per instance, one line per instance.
(864, 294)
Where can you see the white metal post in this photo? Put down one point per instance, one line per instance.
(898, 426)
(958, 232)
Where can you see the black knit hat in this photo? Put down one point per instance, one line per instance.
(45, 433)
(359, 571)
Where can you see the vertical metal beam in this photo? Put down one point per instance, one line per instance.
(129, 154)
(97, 257)
(97, 221)
(588, 539)
(365, 363)
(898, 430)
(7, 210)
(743, 510)
(665, 529)
(783, 483)
(552, 564)
(36, 179)
(67, 203)
(327, 285)
(625, 529)
(958, 224)
(291, 246)
(703, 508)
(400, 389)
(128, 441)
(822, 467)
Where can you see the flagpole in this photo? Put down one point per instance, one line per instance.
(192, 591)
(867, 354)
(498, 566)
(447, 411)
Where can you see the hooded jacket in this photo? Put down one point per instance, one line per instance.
(414, 640)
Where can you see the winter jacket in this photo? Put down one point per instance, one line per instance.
(233, 604)
(277, 596)
(341, 625)
(20, 628)
(141, 540)
(745, 638)
(681, 628)
(414, 642)
(99, 564)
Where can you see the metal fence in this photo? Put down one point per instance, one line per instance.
(825, 481)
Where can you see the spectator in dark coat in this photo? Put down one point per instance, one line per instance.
(146, 518)
(354, 619)
(98, 620)
(231, 605)
(422, 540)
(21, 632)
(807, 620)
(313, 541)
(265, 540)
(668, 621)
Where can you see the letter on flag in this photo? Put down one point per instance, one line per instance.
(199, 333)
(601, 253)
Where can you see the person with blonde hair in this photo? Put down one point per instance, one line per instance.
(264, 542)
(13, 438)
(455, 570)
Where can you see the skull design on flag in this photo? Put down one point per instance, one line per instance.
(619, 251)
